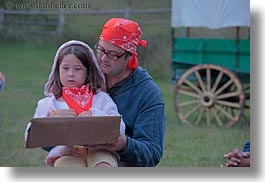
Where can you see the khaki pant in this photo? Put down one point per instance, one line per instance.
(91, 160)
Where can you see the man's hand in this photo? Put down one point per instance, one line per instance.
(120, 145)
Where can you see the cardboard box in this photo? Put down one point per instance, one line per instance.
(72, 131)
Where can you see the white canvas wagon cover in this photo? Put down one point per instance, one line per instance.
(213, 14)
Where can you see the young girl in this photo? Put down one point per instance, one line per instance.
(76, 87)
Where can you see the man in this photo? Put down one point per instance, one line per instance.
(138, 98)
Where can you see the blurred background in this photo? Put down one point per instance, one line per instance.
(30, 34)
(41, 21)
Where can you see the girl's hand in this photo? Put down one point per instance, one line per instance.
(51, 160)
(62, 113)
(81, 151)
(85, 114)
(56, 153)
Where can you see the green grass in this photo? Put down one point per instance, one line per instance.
(197, 146)
(27, 65)
(26, 68)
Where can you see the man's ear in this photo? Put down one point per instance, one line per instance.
(132, 62)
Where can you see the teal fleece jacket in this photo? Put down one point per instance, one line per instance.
(140, 102)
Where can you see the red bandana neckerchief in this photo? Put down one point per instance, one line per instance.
(79, 99)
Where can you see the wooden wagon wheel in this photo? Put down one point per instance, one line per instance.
(209, 93)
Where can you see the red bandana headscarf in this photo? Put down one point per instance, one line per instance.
(124, 34)
(78, 99)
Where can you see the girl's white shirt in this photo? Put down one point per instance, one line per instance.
(102, 105)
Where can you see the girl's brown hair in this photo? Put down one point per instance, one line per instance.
(93, 77)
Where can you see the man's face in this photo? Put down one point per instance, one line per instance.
(111, 58)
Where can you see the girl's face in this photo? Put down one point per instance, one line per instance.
(72, 72)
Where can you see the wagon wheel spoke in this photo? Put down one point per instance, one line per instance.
(191, 111)
(224, 112)
(208, 117)
(226, 85)
(208, 75)
(197, 122)
(216, 116)
(229, 104)
(184, 92)
(231, 94)
(192, 86)
(188, 103)
(199, 78)
(217, 81)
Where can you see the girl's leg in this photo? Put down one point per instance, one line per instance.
(101, 158)
(103, 164)
(70, 161)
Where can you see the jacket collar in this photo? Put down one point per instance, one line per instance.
(136, 77)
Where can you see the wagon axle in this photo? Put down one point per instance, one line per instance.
(207, 99)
